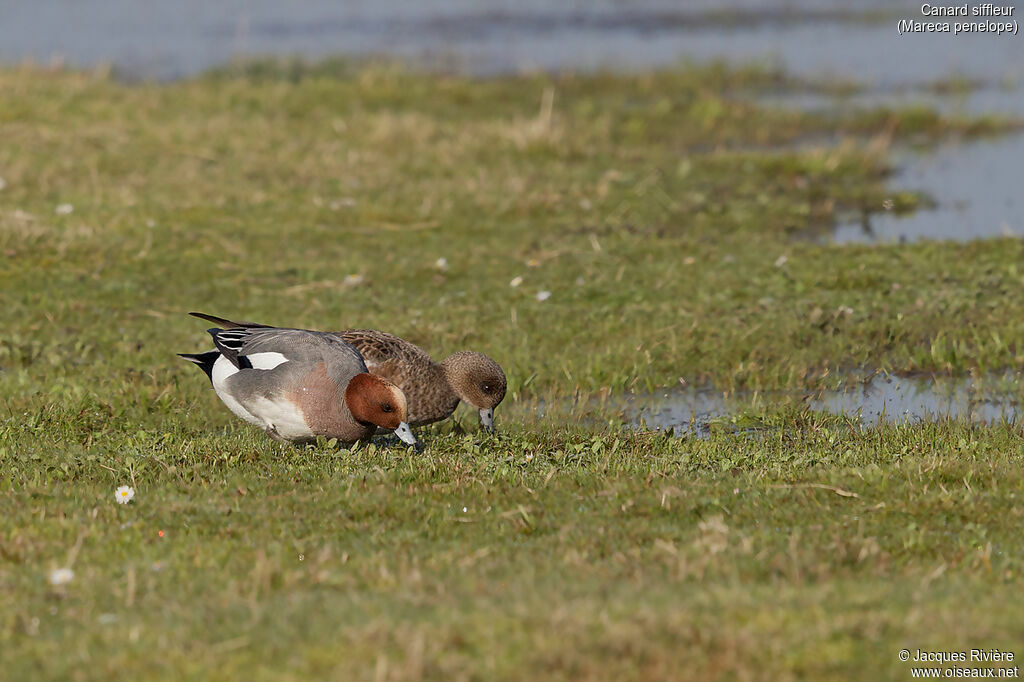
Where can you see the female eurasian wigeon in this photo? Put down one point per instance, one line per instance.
(432, 389)
(297, 384)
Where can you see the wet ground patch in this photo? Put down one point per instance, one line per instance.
(975, 187)
(878, 399)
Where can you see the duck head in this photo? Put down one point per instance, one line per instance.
(374, 400)
(478, 381)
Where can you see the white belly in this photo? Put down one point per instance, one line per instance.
(222, 369)
(282, 416)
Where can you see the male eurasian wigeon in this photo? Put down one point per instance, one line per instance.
(297, 384)
(432, 389)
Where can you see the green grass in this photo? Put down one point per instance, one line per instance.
(656, 208)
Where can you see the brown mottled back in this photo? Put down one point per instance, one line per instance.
(423, 381)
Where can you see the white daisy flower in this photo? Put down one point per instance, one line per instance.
(61, 576)
(543, 295)
(441, 264)
(353, 280)
(516, 281)
(64, 209)
(124, 494)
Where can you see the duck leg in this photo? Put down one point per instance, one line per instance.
(272, 432)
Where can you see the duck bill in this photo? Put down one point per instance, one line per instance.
(487, 419)
(405, 433)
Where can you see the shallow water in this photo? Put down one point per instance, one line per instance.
(174, 39)
(853, 41)
(976, 187)
(1006, 99)
(894, 399)
(974, 184)
(887, 399)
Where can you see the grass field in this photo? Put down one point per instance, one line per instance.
(669, 217)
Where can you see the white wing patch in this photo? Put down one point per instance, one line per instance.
(268, 360)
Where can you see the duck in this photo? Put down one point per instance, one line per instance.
(298, 384)
(433, 389)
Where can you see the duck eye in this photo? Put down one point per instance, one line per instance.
(385, 407)
(486, 388)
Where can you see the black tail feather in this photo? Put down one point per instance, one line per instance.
(204, 360)
(228, 324)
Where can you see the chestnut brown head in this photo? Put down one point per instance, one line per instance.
(478, 381)
(374, 400)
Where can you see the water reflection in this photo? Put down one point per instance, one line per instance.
(976, 190)
(883, 398)
(850, 40)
